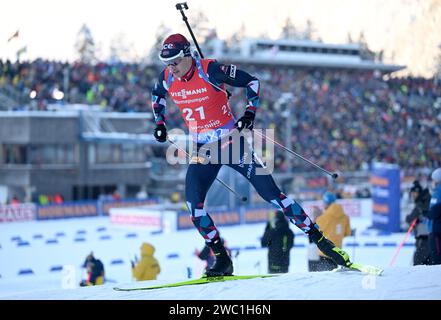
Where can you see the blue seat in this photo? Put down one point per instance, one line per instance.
(371, 244)
(389, 244)
(352, 244)
(56, 268)
(22, 272)
(50, 241)
(131, 235)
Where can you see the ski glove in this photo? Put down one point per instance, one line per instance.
(160, 133)
(246, 121)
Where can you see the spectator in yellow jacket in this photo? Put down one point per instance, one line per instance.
(148, 267)
(334, 223)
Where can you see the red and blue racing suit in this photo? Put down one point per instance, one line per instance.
(203, 103)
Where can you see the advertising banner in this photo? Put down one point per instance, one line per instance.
(76, 209)
(385, 182)
(17, 212)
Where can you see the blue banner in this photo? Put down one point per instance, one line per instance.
(385, 182)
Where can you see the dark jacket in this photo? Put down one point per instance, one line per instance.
(279, 239)
(95, 271)
(420, 212)
(434, 216)
(434, 213)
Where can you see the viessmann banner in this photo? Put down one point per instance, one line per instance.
(385, 182)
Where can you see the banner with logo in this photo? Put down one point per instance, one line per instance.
(76, 209)
(17, 212)
(385, 182)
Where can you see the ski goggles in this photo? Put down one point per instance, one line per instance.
(173, 61)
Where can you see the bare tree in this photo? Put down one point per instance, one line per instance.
(161, 33)
(310, 31)
(437, 73)
(200, 26)
(121, 49)
(85, 45)
(289, 31)
(235, 39)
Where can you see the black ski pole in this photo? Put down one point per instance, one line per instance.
(332, 174)
(181, 7)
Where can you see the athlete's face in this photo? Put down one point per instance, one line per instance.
(180, 66)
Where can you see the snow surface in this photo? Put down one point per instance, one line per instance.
(175, 252)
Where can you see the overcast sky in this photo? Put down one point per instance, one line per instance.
(408, 30)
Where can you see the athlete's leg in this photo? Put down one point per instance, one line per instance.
(269, 191)
(249, 165)
(198, 181)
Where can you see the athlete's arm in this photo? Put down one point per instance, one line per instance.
(159, 103)
(229, 74)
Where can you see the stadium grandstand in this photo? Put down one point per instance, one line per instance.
(90, 124)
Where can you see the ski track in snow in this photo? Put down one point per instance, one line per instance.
(408, 283)
(402, 282)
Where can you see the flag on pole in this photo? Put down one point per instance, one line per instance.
(15, 35)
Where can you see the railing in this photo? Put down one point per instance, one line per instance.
(12, 97)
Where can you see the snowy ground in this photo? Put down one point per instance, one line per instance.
(175, 251)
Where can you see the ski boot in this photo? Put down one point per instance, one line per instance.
(223, 265)
(326, 246)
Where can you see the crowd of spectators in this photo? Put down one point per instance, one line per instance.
(118, 87)
(347, 119)
(340, 119)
